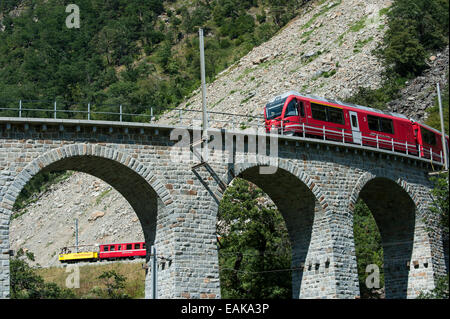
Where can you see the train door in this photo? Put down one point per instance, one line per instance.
(356, 132)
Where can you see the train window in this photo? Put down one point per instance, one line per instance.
(274, 109)
(143, 246)
(119, 247)
(291, 109)
(354, 121)
(428, 137)
(374, 125)
(387, 126)
(302, 108)
(105, 248)
(335, 115)
(111, 248)
(129, 246)
(380, 124)
(327, 113)
(318, 112)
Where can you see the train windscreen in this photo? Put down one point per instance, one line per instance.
(274, 109)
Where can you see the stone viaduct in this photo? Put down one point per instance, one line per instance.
(315, 186)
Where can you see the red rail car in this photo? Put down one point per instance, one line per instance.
(309, 116)
(429, 141)
(122, 250)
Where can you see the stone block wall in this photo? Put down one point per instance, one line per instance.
(315, 187)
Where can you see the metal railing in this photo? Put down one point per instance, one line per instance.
(377, 141)
(99, 111)
(177, 116)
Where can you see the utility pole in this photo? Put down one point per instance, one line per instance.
(444, 148)
(154, 270)
(202, 71)
(76, 234)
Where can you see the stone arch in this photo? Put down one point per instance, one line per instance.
(135, 181)
(84, 150)
(288, 167)
(398, 210)
(379, 173)
(304, 207)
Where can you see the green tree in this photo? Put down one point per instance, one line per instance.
(368, 247)
(441, 200)
(415, 28)
(115, 283)
(254, 247)
(26, 284)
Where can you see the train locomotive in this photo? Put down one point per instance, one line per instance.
(294, 114)
(93, 253)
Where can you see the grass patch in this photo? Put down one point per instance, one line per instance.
(134, 285)
(360, 44)
(102, 195)
(383, 11)
(323, 10)
(359, 25)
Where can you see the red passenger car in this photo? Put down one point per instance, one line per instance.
(122, 250)
(309, 116)
(429, 140)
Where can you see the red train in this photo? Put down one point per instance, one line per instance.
(103, 252)
(119, 251)
(309, 116)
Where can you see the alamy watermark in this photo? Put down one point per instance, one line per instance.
(73, 279)
(73, 19)
(250, 146)
(373, 279)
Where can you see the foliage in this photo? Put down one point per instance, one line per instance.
(254, 246)
(441, 198)
(378, 98)
(368, 247)
(115, 283)
(415, 27)
(440, 292)
(26, 284)
(137, 53)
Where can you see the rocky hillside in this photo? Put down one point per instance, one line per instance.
(419, 94)
(325, 51)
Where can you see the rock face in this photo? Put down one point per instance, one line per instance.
(104, 216)
(419, 94)
(325, 51)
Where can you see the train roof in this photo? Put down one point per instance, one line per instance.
(322, 99)
(124, 243)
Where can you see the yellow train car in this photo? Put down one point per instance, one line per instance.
(81, 256)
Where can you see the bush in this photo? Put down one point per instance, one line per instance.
(440, 292)
(26, 284)
(115, 283)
